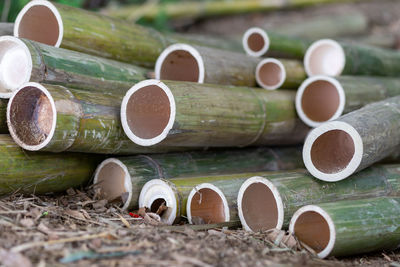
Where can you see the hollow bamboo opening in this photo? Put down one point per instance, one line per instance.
(110, 181)
(255, 42)
(259, 207)
(320, 100)
(312, 229)
(332, 151)
(208, 205)
(156, 204)
(180, 65)
(270, 74)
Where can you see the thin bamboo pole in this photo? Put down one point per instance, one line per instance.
(41, 173)
(349, 227)
(204, 115)
(337, 149)
(321, 98)
(6, 28)
(123, 178)
(268, 201)
(42, 63)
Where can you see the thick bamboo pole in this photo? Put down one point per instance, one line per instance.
(183, 62)
(268, 201)
(337, 149)
(329, 57)
(321, 98)
(6, 28)
(38, 62)
(204, 115)
(123, 178)
(41, 173)
(349, 227)
(272, 73)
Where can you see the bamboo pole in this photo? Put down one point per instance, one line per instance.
(329, 57)
(268, 201)
(42, 63)
(6, 28)
(3, 116)
(337, 149)
(183, 62)
(321, 98)
(272, 73)
(349, 227)
(122, 178)
(42, 173)
(204, 115)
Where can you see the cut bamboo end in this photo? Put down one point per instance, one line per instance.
(148, 112)
(320, 99)
(15, 65)
(113, 181)
(315, 228)
(333, 151)
(32, 116)
(40, 21)
(208, 203)
(260, 205)
(270, 73)
(156, 193)
(255, 42)
(324, 57)
(180, 62)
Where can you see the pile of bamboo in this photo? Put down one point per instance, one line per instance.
(75, 89)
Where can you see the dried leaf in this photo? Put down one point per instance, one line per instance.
(75, 214)
(12, 259)
(124, 221)
(27, 222)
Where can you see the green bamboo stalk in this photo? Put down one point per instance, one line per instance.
(329, 57)
(43, 63)
(42, 173)
(133, 172)
(349, 227)
(322, 98)
(339, 148)
(6, 28)
(269, 201)
(205, 115)
(383, 40)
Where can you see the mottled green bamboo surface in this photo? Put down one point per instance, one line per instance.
(42, 173)
(295, 73)
(6, 28)
(360, 226)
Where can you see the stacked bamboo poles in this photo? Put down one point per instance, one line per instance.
(41, 173)
(268, 201)
(321, 98)
(123, 178)
(349, 227)
(204, 115)
(337, 149)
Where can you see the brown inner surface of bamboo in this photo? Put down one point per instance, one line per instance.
(39, 24)
(259, 207)
(157, 204)
(207, 205)
(180, 65)
(111, 182)
(148, 112)
(313, 230)
(332, 151)
(255, 42)
(270, 74)
(31, 116)
(320, 100)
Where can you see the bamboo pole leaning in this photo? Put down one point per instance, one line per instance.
(122, 178)
(268, 201)
(349, 227)
(187, 114)
(337, 149)
(38, 62)
(322, 98)
(42, 173)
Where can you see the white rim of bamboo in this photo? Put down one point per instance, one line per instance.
(332, 231)
(216, 190)
(127, 178)
(324, 57)
(351, 166)
(304, 86)
(275, 193)
(15, 65)
(263, 34)
(125, 115)
(11, 126)
(54, 11)
(281, 75)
